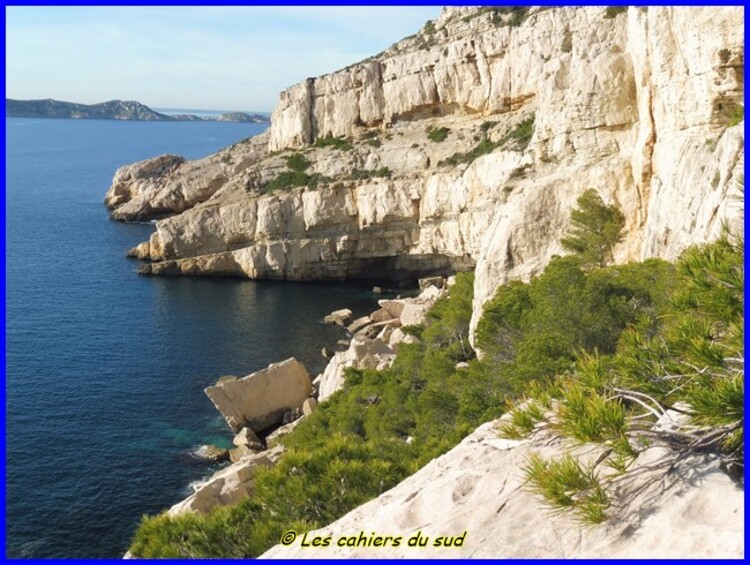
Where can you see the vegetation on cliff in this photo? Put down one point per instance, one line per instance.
(596, 229)
(676, 377)
(611, 349)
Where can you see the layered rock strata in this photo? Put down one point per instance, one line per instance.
(637, 106)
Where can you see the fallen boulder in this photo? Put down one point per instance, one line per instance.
(240, 452)
(363, 353)
(358, 324)
(339, 317)
(438, 282)
(274, 439)
(414, 313)
(212, 453)
(381, 315)
(393, 307)
(260, 400)
(246, 437)
(227, 486)
(309, 406)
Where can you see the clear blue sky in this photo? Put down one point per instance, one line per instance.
(223, 58)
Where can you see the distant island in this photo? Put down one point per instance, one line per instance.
(113, 110)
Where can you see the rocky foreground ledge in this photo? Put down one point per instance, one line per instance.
(692, 511)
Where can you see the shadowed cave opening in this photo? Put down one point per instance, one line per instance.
(404, 271)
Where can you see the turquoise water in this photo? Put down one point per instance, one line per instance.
(105, 369)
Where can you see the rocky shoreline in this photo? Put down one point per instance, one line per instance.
(264, 406)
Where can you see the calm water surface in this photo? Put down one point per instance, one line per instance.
(105, 369)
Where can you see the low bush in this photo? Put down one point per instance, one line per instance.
(738, 114)
(686, 355)
(340, 143)
(519, 137)
(360, 174)
(484, 147)
(438, 135)
(295, 177)
(614, 11)
(521, 134)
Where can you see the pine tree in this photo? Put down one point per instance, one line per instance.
(596, 229)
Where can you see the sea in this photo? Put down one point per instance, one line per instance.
(105, 369)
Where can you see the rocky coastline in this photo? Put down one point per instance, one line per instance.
(264, 406)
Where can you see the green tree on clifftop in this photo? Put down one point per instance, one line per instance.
(595, 229)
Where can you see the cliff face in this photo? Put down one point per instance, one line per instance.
(638, 106)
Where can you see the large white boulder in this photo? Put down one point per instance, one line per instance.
(259, 401)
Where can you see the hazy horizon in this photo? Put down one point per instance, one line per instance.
(161, 109)
(237, 58)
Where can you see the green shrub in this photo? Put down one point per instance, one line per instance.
(292, 179)
(521, 134)
(286, 180)
(738, 114)
(484, 147)
(537, 329)
(687, 353)
(565, 484)
(297, 162)
(518, 15)
(614, 11)
(522, 420)
(438, 135)
(340, 143)
(360, 174)
(295, 177)
(596, 229)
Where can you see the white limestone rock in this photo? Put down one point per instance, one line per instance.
(479, 487)
(363, 353)
(259, 400)
(227, 486)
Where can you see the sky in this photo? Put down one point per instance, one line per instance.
(208, 58)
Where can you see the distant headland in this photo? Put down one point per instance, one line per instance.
(113, 110)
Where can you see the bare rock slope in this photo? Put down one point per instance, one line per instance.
(692, 511)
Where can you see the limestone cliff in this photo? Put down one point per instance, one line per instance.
(539, 106)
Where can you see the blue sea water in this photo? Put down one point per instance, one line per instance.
(105, 369)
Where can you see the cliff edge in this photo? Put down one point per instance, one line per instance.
(466, 146)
